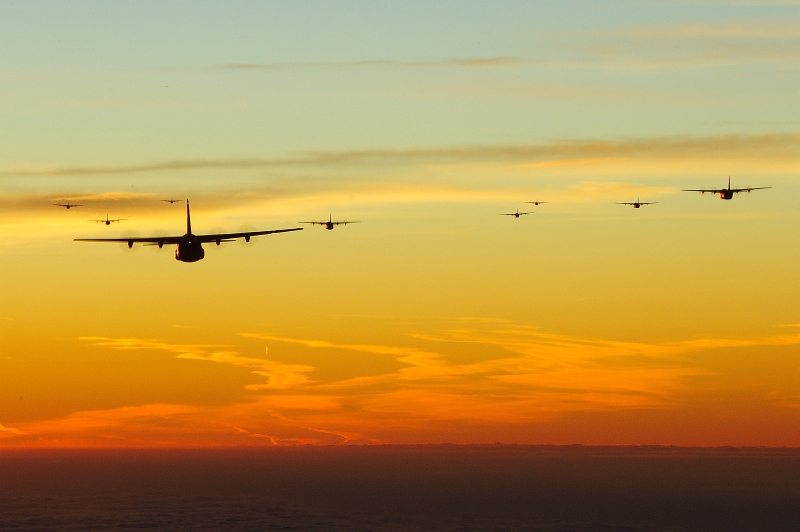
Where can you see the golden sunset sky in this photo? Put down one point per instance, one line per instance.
(434, 319)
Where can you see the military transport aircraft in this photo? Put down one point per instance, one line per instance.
(68, 205)
(515, 214)
(171, 200)
(537, 202)
(107, 221)
(330, 223)
(636, 204)
(724, 193)
(190, 248)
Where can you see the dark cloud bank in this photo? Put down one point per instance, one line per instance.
(493, 487)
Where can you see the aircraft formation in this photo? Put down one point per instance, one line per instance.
(724, 193)
(190, 246)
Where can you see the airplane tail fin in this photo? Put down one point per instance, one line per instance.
(729, 182)
(188, 219)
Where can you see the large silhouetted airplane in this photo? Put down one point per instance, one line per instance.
(724, 193)
(330, 223)
(190, 248)
(636, 204)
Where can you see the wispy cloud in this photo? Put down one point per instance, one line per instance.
(278, 374)
(469, 62)
(569, 152)
(10, 430)
(524, 377)
(691, 45)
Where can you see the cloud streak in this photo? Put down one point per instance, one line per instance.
(569, 152)
(692, 45)
(278, 374)
(470, 62)
(534, 378)
(9, 430)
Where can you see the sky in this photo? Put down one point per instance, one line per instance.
(434, 319)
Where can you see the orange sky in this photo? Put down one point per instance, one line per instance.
(433, 319)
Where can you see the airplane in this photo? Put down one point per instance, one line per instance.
(107, 221)
(537, 202)
(636, 204)
(724, 193)
(190, 246)
(171, 200)
(67, 205)
(515, 214)
(330, 223)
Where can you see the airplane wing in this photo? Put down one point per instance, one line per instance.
(624, 203)
(166, 240)
(647, 202)
(748, 189)
(345, 223)
(68, 204)
(711, 190)
(313, 223)
(136, 240)
(246, 234)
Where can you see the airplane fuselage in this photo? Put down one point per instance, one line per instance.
(189, 250)
(329, 226)
(637, 205)
(726, 194)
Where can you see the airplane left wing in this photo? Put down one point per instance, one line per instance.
(246, 235)
(135, 240)
(748, 189)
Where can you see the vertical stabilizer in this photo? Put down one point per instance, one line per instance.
(729, 182)
(188, 219)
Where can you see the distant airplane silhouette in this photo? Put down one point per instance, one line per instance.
(68, 205)
(171, 200)
(107, 221)
(537, 202)
(515, 214)
(724, 193)
(636, 204)
(190, 247)
(330, 223)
